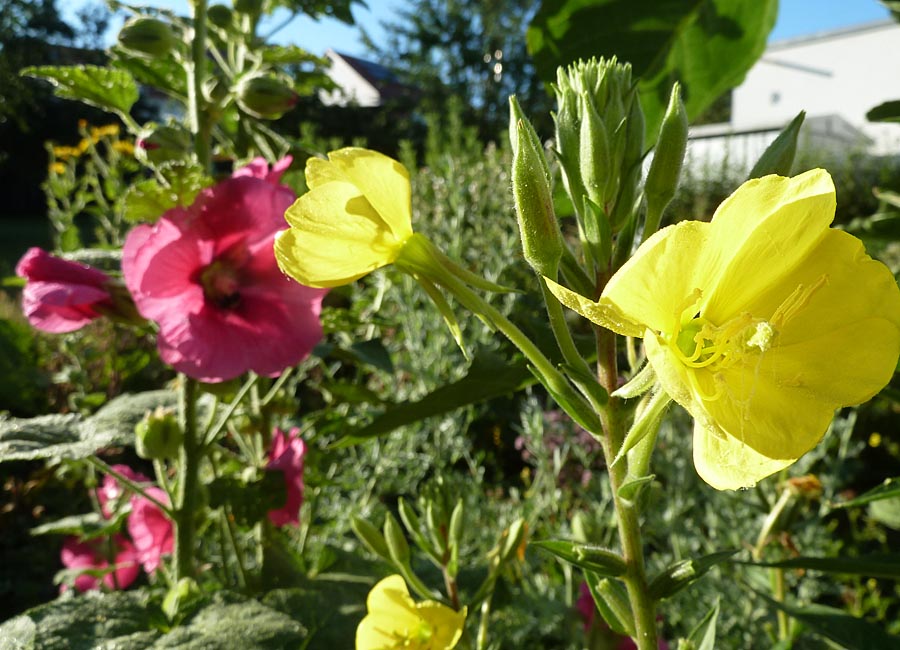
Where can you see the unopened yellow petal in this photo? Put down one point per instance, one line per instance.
(335, 238)
(662, 280)
(383, 181)
(760, 233)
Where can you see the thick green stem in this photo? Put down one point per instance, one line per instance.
(188, 482)
(642, 605)
(131, 485)
(200, 125)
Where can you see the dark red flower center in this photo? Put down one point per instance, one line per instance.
(221, 284)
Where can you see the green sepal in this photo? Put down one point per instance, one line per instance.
(680, 574)
(370, 537)
(778, 158)
(611, 600)
(600, 560)
(446, 312)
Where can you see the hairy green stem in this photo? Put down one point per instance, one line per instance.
(642, 604)
(188, 482)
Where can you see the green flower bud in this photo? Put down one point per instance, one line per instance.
(668, 158)
(158, 435)
(265, 97)
(398, 547)
(457, 517)
(180, 597)
(220, 16)
(147, 37)
(599, 132)
(542, 242)
(371, 538)
(612, 602)
(159, 144)
(248, 6)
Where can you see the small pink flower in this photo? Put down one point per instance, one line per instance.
(89, 555)
(61, 296)
(151, 530)
(111, 491)
(259, 168)
(207, 275)
(286, 456)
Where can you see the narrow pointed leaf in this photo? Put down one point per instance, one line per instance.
(887, 490)
(876, 566)
(778, 158)
(837, 625)
(886, 112)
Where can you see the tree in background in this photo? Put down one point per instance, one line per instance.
(470, 49)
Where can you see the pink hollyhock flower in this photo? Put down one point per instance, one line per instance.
(286, 456)
(259, 168)
(151, 530)
(89, 555)
(61, 296)
(207, 275)
(111, 490)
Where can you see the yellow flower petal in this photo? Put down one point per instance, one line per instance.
(383, 181)
(320, 171)
(727, 464)
(662, 280)
(446, 624)
(763, 230)
(336, 237)
(394, 621)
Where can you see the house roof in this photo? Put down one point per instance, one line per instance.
(383, 79)
(831, 34)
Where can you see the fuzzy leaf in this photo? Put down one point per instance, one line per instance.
(107, 88)
(73, 436)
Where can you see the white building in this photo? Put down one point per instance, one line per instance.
(835, 76)
(359, 82)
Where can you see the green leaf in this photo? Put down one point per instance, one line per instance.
(706, 45)
(162, 73)
(703, 637)
(595, 559)
(876, 566)
(888, 196)
(778, 158)
(107, 88)
(86, 622)
(73, 436)
(489, 376)
(18, 634)
(233, 621)
(889, 489)
(886, 112)
(887, 512)
(837, 625)
(72, 525)
(679, 575)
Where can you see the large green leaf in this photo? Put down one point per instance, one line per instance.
(120, 620)
(877, 566)
(489, 376)
(131, 620)
(107, 88)
(837, 625)
(706, 45)
(73, 436)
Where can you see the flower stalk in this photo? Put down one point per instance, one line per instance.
(188, 482)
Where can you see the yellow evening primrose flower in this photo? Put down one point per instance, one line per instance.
(760, 323)
(355, 218)
(396, 621)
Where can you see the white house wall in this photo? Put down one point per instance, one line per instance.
(352, 87)
(844, 73)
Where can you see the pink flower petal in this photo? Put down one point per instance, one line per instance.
(150, 529)
(286, 455)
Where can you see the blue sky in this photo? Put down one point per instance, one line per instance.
(795, 18)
